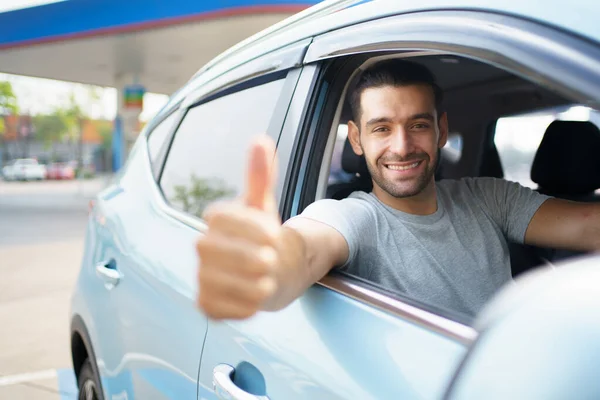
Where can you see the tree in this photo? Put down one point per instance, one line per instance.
(106, 131)
(195, 197)
(75, 116)
(50, 128)
(8, 105)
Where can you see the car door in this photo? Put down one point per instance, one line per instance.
(346, 338)
(150, 335)
(161, 329)
(151, 340)
(341, 339)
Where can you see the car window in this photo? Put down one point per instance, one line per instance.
(336, 171)
(207, 157)
(517, 138)
(159, 134)
(468, 85)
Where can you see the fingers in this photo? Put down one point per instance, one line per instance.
(261, 175)
(238, 258)
(221, 294)
(233, 219)
(236, 278)
(225, 308)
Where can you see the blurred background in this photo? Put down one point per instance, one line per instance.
(79, 79)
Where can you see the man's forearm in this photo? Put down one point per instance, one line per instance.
(293, 278)
(308, 250)
(566, 225)
(591, 228)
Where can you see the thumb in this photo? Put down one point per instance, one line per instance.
(261, 174)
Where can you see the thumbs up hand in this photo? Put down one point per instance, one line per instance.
(238, 255)
(261, 176)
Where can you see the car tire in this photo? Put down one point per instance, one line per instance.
(89, 387)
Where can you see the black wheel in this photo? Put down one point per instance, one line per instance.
(89, 388)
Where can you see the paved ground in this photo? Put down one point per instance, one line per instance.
(41, 241)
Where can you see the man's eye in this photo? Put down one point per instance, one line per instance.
(420, 126)
(380, 129)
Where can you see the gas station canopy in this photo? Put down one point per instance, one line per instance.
(159, 44)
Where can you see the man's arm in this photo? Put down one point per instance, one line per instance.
(249, 261)
(565, 224)
(309, 250)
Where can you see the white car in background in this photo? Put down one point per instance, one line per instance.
(26, 169)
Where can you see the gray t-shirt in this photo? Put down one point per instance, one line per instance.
(456, 258)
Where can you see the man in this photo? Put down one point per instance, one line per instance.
(442, 243)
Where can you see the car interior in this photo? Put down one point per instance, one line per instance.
(476, 96)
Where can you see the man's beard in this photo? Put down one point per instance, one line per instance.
(409, 187)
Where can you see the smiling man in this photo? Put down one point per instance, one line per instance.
(443, 243)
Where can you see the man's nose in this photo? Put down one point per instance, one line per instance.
(401, 143)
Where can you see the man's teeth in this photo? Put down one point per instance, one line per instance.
(403, 168)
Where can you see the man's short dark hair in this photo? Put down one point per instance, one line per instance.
(394, 72)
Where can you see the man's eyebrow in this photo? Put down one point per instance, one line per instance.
(427, 116)
(378, 120)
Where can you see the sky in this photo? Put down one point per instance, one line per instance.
(7, 5)
(36, 95)
(39, 96)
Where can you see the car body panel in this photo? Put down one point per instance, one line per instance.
(60, 171)
(24, 169)
(328, 346)
(131, 324)
(578, 18)
(540, 337)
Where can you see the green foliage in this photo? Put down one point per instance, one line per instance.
(106, 132)
(50, 128)
(8, 104)
(8, 99)
(199, 194)
(72, 114)
(63, 123)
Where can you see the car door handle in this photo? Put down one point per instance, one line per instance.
(107, 270)
(226, 389)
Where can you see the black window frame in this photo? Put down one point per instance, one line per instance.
(157, 164)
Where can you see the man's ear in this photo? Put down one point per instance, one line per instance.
(443, 126)
(354, 138)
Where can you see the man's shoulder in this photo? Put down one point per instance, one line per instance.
(356, 202)
(470, 180)
(355, 199)
(470, 184)
(347, 216)
(469, 191)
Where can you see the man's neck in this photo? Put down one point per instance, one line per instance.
(423, 203)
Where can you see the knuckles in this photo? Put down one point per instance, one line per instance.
(235, 274)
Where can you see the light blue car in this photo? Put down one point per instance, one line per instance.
(136, 332)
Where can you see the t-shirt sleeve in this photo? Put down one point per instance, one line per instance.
(511, 205)
(349, 217)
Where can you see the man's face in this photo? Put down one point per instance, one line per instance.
(400, 136)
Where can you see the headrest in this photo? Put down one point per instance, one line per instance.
(353, 163)
(491, 165)
(568, 159)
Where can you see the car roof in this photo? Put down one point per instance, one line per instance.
(577, 16)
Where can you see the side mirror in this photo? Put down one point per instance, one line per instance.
(539, 339)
